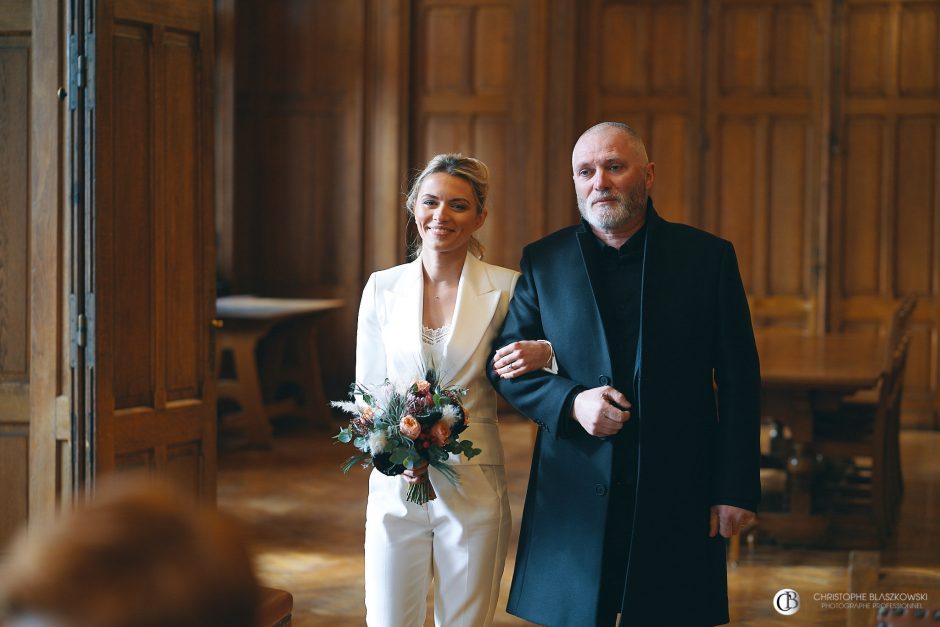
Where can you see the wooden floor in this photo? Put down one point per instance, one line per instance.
(306, 518)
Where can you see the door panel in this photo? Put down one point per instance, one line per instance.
(153, 275)
(15, 47)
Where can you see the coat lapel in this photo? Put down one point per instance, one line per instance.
(585, 282)
(477, 299)
(403, 316)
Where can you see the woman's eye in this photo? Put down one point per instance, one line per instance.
(459, 207)
(429, 202)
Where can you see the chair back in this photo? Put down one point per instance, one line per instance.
(887, 481)
(900, 323)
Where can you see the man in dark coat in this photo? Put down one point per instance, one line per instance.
(648, 453)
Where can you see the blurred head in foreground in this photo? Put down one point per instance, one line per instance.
(138, 555)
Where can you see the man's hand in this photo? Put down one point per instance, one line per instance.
(728, 520)
(601, 411)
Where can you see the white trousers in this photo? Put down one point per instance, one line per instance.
(459, 540)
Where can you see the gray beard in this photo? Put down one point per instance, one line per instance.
(626, 208)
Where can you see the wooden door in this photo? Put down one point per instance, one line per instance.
(885, 196)
(151, 271)
(15, 45)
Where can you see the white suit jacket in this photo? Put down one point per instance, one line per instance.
(388, 341)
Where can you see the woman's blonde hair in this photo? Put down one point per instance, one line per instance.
(469, 169)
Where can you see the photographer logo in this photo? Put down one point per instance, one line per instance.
(787, 602)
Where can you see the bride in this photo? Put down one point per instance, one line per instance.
(443, 308)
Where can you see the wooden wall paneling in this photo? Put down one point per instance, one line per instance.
(300, 171)
(562, 115)
(386, 72)
(225, 134)
(478, 88)
(766, 126)
(323, 202)
(247, 206)
(886, 206)
(642, 65)
(15, 264)
(155, 257)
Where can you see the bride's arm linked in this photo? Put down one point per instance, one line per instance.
(519, 358)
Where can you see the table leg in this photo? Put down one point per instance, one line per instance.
(245, 388)
(799, 523)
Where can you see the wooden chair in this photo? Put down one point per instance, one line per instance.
(897, 329)
(869, 487)
(868, 576)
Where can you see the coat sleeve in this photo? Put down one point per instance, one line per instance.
(540, 395)
(737, 375)
(370, 348)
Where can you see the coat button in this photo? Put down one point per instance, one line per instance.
(603, 379)
(600, 489)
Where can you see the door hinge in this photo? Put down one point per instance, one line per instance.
(82, 71)
(73, 331)
(89, 330)
(81, 327)
(81, 330)
(75, 78)
(88, 70)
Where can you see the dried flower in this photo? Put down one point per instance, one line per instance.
(377, 442)
(449, 415)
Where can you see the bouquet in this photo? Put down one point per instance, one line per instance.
(396, 430)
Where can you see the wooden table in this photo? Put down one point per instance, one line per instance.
(801, 375)
(246, 320)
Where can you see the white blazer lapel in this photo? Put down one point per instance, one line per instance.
(477, 299)
(403, 317)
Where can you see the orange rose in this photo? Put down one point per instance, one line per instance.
(367, 413)
(422, 385)
(409, 427)
(439, 433)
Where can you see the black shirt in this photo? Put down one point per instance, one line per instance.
(616, 277)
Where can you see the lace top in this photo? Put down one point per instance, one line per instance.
(435, 336)
(433, 342)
